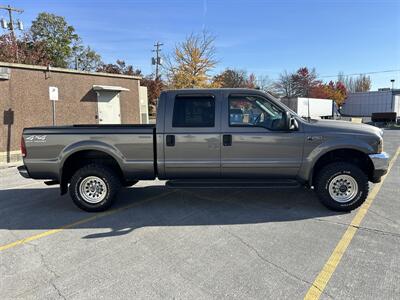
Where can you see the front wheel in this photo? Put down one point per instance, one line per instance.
(94, 187)
(341, 186)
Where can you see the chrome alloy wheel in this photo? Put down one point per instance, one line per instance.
(343, 188)
(93, 189)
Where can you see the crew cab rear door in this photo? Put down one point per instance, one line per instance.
(192, 136)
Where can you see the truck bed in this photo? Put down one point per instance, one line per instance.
(132, 146)
(137, 128)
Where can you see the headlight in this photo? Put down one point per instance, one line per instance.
(380, 145)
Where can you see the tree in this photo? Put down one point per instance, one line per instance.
(251, 82)
(88, 60)
(231, 78)
(23, 50)
(264, 83)
(304, 81)
(298, 84)
(191, 61)
(333, 90)
(57, 36)
(84, 58)
(120, 67)
(362, 83)
(154, 88)
(285, 85)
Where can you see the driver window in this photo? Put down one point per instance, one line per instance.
(255, 111)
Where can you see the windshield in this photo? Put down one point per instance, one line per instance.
(282, 104)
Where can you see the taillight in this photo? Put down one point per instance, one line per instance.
(23, 148)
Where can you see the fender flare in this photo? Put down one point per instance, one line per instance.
(86, 145)
(307, 169)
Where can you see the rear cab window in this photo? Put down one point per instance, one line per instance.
(194, 111)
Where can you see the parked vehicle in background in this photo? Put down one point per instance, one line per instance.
(384, 117)
(210, 137)
(312, 107)
(364, 104)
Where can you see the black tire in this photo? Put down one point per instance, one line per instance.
(108, 179)
(329, 173)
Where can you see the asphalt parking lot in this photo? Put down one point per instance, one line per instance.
(198, 244)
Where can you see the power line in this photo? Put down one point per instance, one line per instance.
(361, 73)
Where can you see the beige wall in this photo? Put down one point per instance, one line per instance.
(26, 93)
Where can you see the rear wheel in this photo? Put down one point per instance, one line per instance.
(341, 186)
(94, 187)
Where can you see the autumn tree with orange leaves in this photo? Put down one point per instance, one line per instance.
(23, 50)
(191, 61)
(333, 90)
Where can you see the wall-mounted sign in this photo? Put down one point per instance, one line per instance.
(53, 93)
(8, 117)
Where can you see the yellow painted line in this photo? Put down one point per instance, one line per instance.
(330, 266)
(79, 222)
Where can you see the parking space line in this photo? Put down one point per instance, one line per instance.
(79, 222)
(330, 266)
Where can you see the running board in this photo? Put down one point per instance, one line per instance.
(232, 184)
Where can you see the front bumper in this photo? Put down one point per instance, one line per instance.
(23, 172)
(381, 165)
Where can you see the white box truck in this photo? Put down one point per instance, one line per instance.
(311, 107)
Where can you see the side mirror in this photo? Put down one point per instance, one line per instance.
(293, 124)
(287, 119)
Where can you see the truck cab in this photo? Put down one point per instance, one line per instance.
(225, 133)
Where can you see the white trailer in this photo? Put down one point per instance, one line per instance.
(364, 104)
(310, 107)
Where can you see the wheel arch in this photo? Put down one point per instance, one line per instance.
(349, 155)
(77, 156)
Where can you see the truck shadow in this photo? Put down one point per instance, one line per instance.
(137, 207)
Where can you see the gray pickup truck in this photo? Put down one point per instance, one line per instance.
(225, 138)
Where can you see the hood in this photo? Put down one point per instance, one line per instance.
(344, 127)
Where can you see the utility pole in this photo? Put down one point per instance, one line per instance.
(10, 25)
(10, 19)
(157, 60)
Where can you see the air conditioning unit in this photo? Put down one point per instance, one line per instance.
(5, 73)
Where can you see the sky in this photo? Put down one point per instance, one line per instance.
(262, 37)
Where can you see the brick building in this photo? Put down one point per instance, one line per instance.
(83, 98)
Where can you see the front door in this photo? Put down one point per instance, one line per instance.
(109, 108)
(192, 140)
(255, 142)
